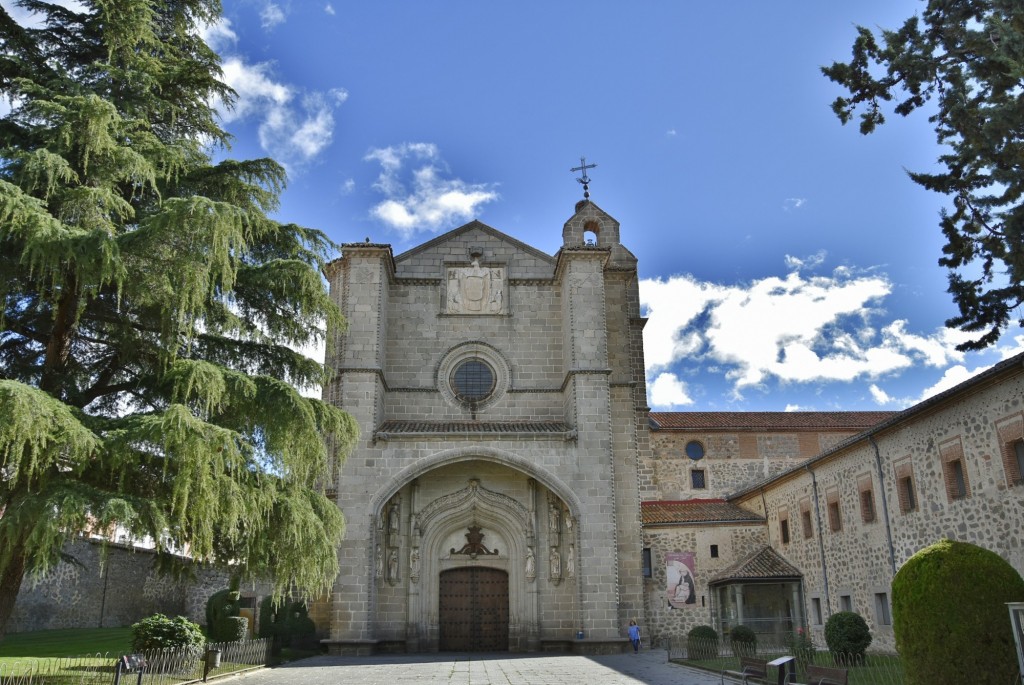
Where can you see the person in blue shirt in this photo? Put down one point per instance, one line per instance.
(634, 636)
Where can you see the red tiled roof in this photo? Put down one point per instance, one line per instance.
(695, 511)
(767, 420)
(763, 564)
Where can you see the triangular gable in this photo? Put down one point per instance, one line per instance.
(764, 564)
(456, 233)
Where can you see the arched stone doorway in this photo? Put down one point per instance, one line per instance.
(466, 564)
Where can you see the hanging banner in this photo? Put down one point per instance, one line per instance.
(679, 573)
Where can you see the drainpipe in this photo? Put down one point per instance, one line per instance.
(821, 540)
(885, 505)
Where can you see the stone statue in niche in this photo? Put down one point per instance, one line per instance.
(379, 564)
(475, 289)
(555, 564)
(414, 564)
(393, 518)
(554, 522)
(393, 567)
(531, 564)
(570, 562)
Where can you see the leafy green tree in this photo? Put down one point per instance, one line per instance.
(151, 309)
(962, 62)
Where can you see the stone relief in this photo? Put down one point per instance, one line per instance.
(468, 498)
(531, 564)
(570, 562)
(475, 289)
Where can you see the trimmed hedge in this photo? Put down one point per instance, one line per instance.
(702, 643)
(743, 641)
(949, 615)
(846, 632)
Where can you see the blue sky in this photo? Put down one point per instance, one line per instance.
(786, 261)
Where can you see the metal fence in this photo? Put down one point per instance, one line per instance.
(719, 655)
(177, 666)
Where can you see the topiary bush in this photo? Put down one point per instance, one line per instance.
(232, 629)
(743, 641)
(949, 615)
(222, 605)
(300, 627)
(702, 643)
(847, 634)
(160, 632)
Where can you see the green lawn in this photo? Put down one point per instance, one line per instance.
(76, 642)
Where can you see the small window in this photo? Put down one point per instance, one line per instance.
(697, 479)
(1018, 450)
(714, 551)
(784, 530)
(646, 561)
(834, 520)
(956, 483)
(867, 506)
(695, 450)
(845, 603)
(1013, 462)
(816, 610)
(882, 616)
(908, 502)
(905, 486)
(805, 520)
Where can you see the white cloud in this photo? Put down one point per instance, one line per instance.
(954, 375)
(793, 203)
(291, 139)
(424, 200)
(218, 35)
(671, 133)
(329, 9)
(294, 128)
(348, 186)
(255, 88)
(668, 391)
(801, 328)
(809, 262)
(880, 396)
(271, 15)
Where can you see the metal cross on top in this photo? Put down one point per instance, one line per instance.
(584, 179)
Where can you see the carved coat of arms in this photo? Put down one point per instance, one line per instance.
(476, 289)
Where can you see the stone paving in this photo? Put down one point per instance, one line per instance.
(647, 668)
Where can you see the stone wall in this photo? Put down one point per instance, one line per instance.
(732, 460)
(117, 591)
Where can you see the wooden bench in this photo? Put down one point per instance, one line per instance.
(750, 667)
(823, 675)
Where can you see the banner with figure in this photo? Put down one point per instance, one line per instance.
(679, 573)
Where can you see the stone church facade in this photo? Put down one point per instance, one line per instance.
(512, 491)
(492, 501)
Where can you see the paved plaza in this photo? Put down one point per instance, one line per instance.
(647, 668)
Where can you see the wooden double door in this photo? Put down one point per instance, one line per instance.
(473, 610)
